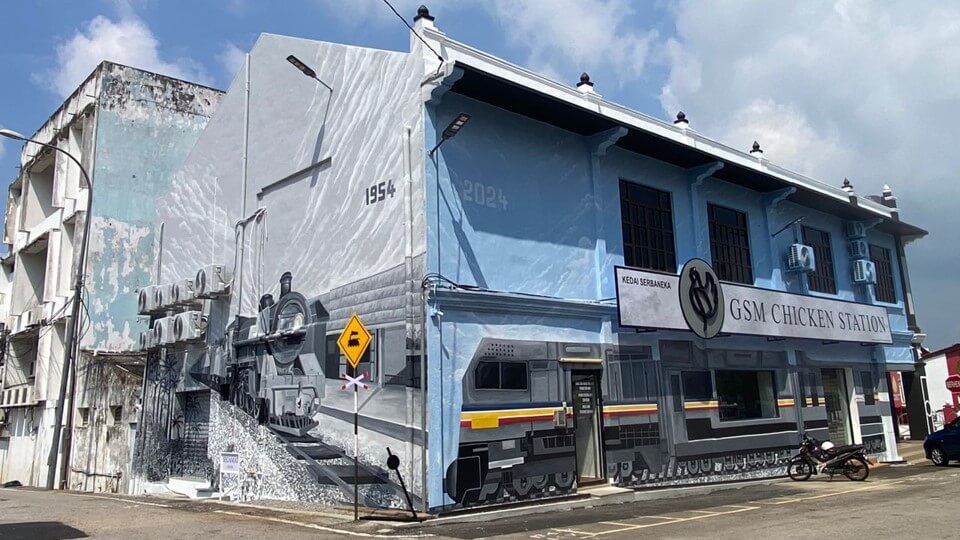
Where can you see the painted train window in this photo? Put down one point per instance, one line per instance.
(638, 376)
(491, 375)
(746, 395)
(697, 386)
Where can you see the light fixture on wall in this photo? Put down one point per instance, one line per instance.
(306, 70)
(451, 130)
(71, 337)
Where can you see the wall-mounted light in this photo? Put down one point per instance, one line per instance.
(306, 70)
(451, 130)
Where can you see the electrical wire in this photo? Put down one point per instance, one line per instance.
(399, 16)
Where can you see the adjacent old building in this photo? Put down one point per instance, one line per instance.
(129, 128)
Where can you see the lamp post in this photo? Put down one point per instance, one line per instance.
(306, 70)
(71, 327)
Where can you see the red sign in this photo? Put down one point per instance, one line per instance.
(953, 384)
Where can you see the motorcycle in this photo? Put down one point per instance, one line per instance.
(825, 458)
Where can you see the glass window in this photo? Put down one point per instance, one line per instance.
(745, 395)
(697, 386)
(822, 279)
(869, 390)
(500, 376)
(730, 244)
(647, 218)
(885, 291)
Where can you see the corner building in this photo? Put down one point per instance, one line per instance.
(525, 268)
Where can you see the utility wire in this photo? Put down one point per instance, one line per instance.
(412, 30)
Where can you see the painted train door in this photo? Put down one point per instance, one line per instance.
(586, 412)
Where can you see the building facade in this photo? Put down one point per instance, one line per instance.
(515, 246)
(942, 403)
(128, 128)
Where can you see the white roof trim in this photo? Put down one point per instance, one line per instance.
(455, 51)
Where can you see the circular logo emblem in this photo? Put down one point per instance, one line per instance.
(701, 298)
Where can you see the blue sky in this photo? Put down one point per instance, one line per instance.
(832, 89)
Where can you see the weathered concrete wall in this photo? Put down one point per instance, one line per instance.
(146, 126)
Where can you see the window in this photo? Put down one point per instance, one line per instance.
(822, 278)
(116, 411)
(647, 218)
(869, 390)
(745, 395)
(809, 388)
(500, 376)
(883, 263)
(697, 386)
(83, 416)
(638, 376)
(730, 244)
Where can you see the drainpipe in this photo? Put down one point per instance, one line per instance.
(920, 424)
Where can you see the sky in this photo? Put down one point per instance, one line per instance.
(845, 89)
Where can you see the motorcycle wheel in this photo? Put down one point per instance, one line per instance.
(799, 470)
(856, 469)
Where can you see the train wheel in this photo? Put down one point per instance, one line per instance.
(564, 480)
(522, 486)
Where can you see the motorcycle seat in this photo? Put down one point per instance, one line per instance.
(846, 448)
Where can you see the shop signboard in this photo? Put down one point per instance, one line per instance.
(953, 383)
(696, 300)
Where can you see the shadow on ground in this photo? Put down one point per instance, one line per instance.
(50, 530)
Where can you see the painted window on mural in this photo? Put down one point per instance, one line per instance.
(746, 395)
(882, 261)
(500, 376)
(730, 244)
(638, 376)
(697, 386)
(869, 389)
(647, 218)
(822, 279)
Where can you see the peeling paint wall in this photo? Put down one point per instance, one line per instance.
(146, 126)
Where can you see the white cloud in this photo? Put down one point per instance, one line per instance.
(231, 58)
(585, 35)
(126, 41)
(849, 89)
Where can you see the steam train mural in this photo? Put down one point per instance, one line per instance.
(271, 365)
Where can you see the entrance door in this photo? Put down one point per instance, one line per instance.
(838, 406)
(586, 412)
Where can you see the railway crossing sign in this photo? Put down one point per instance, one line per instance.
(354, 341)
(354, 382)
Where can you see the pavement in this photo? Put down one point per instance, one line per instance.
(895, 502)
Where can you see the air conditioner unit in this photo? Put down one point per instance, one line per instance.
(183, 292)
(854, 229)
(858, 249)
(211, 281)
(35, 316)
(148, 340)
(163, 331)
(801, 258)
(164, 296)
(188, 326)
(864, 272)
(147, 299)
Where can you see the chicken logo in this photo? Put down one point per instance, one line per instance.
(701, 298)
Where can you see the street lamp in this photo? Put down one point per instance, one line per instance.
(306, 70)
(451, 130)
(71, 328)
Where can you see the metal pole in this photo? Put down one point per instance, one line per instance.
(71, 334)
(356, 453)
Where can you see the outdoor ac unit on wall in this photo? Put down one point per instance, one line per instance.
(164, 296)
(211, 281)
(858, 249)
(147, 299)
(163, 331)
(864, 272)
(188, 326)
(147, 340)
(854, 229)
(183, 292)
(801, 258)
(35, 316)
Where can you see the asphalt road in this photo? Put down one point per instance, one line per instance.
(897, 502)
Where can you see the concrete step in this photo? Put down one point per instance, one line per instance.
(194, 488)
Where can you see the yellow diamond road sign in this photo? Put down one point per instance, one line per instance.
(354, 341)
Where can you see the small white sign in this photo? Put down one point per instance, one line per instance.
(229, 463)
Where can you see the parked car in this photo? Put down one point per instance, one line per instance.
(944, 445)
